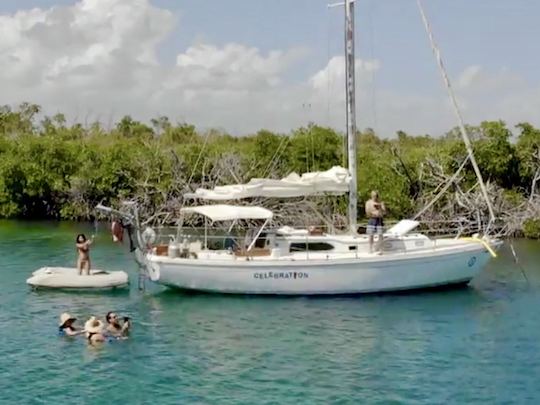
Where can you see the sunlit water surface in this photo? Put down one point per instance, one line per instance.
(473, 345)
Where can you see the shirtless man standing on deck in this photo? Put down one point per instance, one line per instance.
(83, 249)
(375, 210)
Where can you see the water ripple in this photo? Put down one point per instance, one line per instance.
(475, 345)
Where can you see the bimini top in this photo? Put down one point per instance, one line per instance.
(333, 181)
(222, 212)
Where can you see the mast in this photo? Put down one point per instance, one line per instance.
(351, 114)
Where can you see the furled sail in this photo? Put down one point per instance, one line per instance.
(333, 181)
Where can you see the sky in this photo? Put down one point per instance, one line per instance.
(244, 65)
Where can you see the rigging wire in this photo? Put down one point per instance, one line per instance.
(457, 111)
(330, 85)
(277, 154)
(199, 157)
(516, 260)
(371, 30)
(328, 77)
(443, 190)
(312, 148)
(307, 157)
(310, 133)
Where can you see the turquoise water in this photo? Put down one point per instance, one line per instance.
(473, 345)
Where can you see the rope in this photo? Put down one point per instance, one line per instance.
(516, 260)
(482, 242)
(457, 111)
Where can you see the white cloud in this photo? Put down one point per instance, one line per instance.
(497, 94)
(476, 79)
(335, 72)
(98, 59)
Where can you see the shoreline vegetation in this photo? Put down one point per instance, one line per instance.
(50, 169)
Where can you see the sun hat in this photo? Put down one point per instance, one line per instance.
(64, 318)
(93, 325)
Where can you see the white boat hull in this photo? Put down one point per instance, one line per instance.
(371, 274)
(69, 278)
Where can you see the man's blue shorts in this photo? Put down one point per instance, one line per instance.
(375, 226)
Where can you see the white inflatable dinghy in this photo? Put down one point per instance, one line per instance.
(68, 277)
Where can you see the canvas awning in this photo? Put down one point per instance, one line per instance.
(222, 212)
(333, 181)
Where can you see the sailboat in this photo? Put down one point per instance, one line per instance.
(293, 261)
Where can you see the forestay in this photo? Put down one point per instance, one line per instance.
(333, 181)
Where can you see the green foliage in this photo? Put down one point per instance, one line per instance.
(378, 174)
(528, 152)
(20, 120)
(53, 169)
(514, 197)
(314, 148)
(129, 128)
(531, 228)
(495, 154)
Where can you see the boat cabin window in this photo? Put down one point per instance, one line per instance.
(261, 241)
(313, 246)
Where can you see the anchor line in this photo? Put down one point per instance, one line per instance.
(516, 260)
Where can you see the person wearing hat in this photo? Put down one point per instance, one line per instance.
(94, 330)
(66, 328)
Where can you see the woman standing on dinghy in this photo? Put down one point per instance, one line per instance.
(83, 249)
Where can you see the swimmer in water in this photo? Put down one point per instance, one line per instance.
(94, 331)
(66, 327)
(83, 250)
(113, 325)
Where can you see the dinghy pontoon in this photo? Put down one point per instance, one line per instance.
(69, 277)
